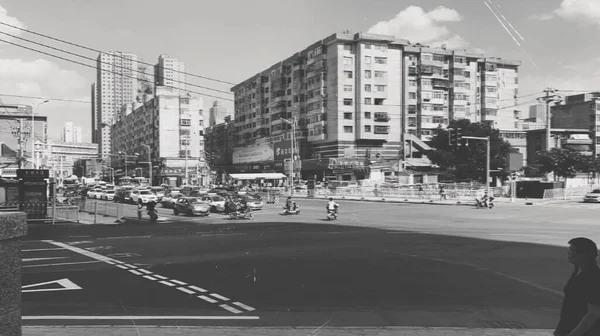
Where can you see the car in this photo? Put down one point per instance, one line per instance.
(144, 195)
(169, 200)
(217, 203)
(593, 197)
(191, 206)
(108, 195)
(122, 196)
(159, 192)
(253, 203)
(93, 193)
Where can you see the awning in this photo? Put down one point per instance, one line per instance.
(264, 176)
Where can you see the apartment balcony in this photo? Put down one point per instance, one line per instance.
(438, 64)
(381, 117)
(459, 65)
(461, 102)
(437, 101)
(381, 130)
(441, 83)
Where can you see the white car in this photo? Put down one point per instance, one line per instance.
(108, 195)
(159, 192)
(93, 193)
(217, 203)
(144, 195)
(593, 197)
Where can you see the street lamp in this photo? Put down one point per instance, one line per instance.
(33, 159)
(126, 156)
(293, 124)
(149, 163)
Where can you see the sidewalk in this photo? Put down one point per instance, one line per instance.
(275, 331)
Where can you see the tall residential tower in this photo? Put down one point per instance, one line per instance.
(170, 72)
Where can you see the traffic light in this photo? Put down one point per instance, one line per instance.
(459, 136)
(455, 136)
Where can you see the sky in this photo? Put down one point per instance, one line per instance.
(231, 40)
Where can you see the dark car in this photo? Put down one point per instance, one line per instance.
(122, 196)
(191, 206)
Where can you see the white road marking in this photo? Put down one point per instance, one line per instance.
(44, 249)
(38, 259)
(220, 297)
(65, 283)
(207, 299)
(125, 237)
(136, 318)
(129, 265)
(135, 272)
(241, 305)
(230, 308)
(145, 271)
(164, 282)
(185, 290)
(179, 282)
(160, 277)
(85, 252)
(60, 264)
(75, 242)
(201, 290)
(123, 267)
(149, 277)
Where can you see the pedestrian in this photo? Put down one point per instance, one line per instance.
(443, 193)
(140, 208)
(420, 191)
(581, 304)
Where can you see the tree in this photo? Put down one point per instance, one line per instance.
(468, 162)
(564, 162)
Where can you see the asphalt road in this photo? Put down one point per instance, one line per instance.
(378, 265)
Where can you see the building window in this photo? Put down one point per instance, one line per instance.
(348, 47)
(367, 46)
(380, 88)
(380, 74)
(348, 115)
(348, 88)
(381, 60)
(367, 115)
(438, 95)
(347, 60)
(367, 59)
(412, 83)
(185, 142)
(367, 73)
(367, 101)
(379, 101)
(367, 128)
(382, 129)
(186, 122)
(347, 102)
(347, 129)
(368, 87)
(412, 95)
(348, 74)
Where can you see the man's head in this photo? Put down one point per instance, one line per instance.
(331, 199)
(289, 197)
(581, 251)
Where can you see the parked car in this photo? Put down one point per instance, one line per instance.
(217, 203)
(169, 200)
(253, 203)
(108, 195)
(593, 197)
(122, 196)
(144, 195)
(191, 206)
(159, 192)
(93, 193)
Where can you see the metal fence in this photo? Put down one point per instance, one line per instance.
(567, 193)
(400, 194)
(77, 211)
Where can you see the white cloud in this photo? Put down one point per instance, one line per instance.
(541, 17)
(4, 17)
(416, 25)
(39, 77)
(583, 11)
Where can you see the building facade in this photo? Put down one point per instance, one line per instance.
(356, 93)
(217, 114)
(71, 133)
(60, 156)
(170, 72)
(173, 127)
(219, 144)
(580, 111)
(16, 140)
(121, 79)
(576, 139)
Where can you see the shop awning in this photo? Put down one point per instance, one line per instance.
(258, 176)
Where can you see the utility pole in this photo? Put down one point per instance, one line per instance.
(21, 136)
(187, 141)
(548, 99)
(292, 173)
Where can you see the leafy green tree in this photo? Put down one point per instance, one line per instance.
(564, 162)
(468, 161)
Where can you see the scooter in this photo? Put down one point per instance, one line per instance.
(153, 215)
(332, 214)
(484, 204)
(295, 210)
(237, 214)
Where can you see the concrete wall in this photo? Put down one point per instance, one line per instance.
(13, 226)
(576, 115)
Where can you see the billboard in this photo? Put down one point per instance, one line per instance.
(283, 149)
(262, 153)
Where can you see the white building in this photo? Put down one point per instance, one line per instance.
(121, 79)
(170, 72)
(72, 133)
(60, 156)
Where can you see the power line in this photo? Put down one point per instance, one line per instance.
(114, 72)
(46, 98)
(108, 63)
(102, 52)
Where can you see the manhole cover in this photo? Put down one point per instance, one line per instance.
(503, 324)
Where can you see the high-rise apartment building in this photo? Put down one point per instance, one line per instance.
(170, 72)
(121, 79)
(368, 92)
(72, 133)
(217, 114)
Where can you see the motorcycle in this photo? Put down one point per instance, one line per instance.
(295, 210)
(153, 215)
(332, 214)
(484, 203)
(241, 214)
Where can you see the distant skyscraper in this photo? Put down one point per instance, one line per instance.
(217, 114)
(169, 72)
(72, 133)
(118, 82)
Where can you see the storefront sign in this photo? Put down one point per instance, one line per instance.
(252, 154)
(283, 149)
(346, 164)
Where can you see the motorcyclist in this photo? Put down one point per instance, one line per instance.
(332, 206)
(290, 204)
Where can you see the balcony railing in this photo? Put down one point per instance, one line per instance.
(381, 117)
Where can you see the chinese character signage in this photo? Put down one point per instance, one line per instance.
(33, 173)
(262, 153)
(283, 150)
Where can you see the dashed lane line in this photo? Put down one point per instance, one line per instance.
(192, 290)
(43, 249)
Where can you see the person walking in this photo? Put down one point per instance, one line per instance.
(580, 310)
(140, 209)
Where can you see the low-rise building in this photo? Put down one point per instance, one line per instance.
(580, 111)
(577, 139)
(60, 157)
